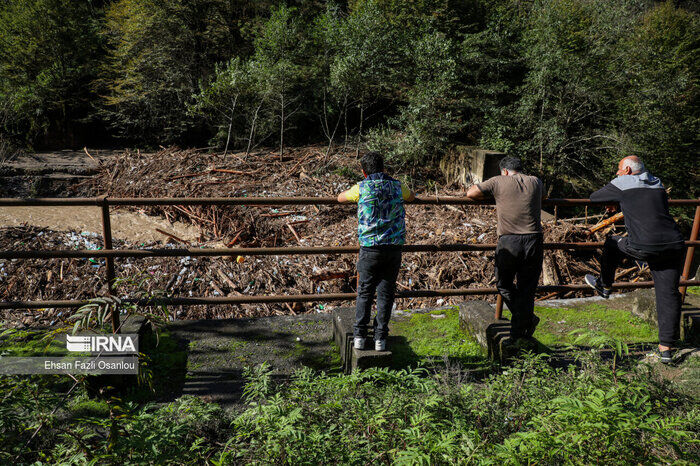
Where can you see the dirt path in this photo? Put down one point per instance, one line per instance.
(129, 226)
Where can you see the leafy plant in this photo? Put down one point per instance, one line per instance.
(95, 312)
(601, 341)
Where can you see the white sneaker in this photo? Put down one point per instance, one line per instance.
(379, 345)
(359, 343)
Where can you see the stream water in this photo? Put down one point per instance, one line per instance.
(126, 225)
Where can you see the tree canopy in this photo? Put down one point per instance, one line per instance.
(568, 85)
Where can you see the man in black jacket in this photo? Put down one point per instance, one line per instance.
(653, 237)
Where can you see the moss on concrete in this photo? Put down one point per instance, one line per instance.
(556, 324)
(423, 337)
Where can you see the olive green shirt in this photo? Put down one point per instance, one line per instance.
(518, 203)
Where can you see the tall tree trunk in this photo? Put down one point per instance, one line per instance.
(540, 129)
(230, 124)
(359, 133)
(252, 128)
(335, 129)
(345, 146)
(282, 128)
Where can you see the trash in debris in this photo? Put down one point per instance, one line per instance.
(144, 175)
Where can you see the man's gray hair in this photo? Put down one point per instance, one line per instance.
(637, 166)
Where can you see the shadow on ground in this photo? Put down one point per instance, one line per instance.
(218, 351)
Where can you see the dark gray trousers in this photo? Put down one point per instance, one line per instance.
(665, 269)
(377, 269)
(518, 269)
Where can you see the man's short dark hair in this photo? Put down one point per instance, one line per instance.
(372, 162)
(512, 164)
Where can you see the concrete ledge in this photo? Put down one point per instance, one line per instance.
(643, 305)
(690, 325)
(343, 322)
(364, 359)
(136, 324)
(477, 319)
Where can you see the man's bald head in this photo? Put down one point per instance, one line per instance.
(630, 165)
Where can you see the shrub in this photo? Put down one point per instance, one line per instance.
(529, 413)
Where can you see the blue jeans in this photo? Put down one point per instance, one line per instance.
(377, 269)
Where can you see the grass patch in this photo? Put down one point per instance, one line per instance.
(557, 323)
(424, 337)
(694, 290)
(33, 343)
(82, 406)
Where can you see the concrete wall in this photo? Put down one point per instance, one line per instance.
(467, 165)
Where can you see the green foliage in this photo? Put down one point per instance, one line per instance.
(568, 85)
(27, 403)
(610, 426)
(177, 433)
(432, 117)
(258, 387)
(279, 66)
(98, 309)
(600, 340)
(529, 413)
(592, 91)
(227, 101)
(158, 52)
(49, 54)
(660, 109)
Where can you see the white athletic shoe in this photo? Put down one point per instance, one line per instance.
(359, 343)
(379, 345)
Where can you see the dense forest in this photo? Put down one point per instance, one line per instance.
(569, 85)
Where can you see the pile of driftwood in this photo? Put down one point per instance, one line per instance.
(307, 172)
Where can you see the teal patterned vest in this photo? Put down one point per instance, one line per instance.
(380, 211)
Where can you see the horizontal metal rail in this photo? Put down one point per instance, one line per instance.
(289, 251)
(254, 299)
(109, 254)
(273, 201)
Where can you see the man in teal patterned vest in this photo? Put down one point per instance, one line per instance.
(381, 230)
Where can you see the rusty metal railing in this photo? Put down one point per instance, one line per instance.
(109, 254)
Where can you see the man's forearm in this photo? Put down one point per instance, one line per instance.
(475, 193)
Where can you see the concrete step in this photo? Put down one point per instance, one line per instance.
(343, 321)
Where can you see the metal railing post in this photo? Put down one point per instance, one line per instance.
(691, 252)
(109, 261)
(499, 307)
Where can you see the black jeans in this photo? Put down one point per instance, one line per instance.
(377, 270)
(518, 269)
(665, 269)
